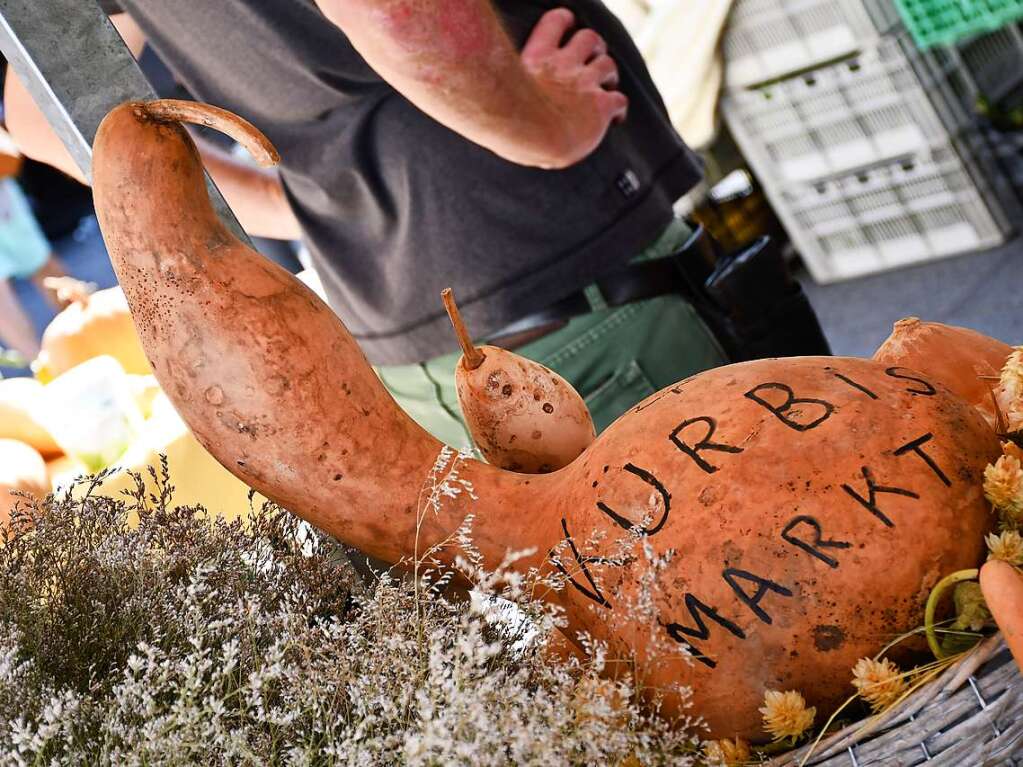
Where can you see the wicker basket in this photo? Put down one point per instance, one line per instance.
(970, 716)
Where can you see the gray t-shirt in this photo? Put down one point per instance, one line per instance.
(395, 206)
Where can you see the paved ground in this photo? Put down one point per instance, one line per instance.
(983, 291)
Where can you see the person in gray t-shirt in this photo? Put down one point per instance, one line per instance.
(517, 152)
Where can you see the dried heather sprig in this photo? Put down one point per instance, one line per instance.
(1007, 546)
(185, 639)
(880, 683)
(786, 714)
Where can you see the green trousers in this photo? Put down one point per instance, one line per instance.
(613, 357)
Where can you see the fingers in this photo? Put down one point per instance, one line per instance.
(603, 71)
(548, 33)
(614, 105)
(584, 77)
(584, 45)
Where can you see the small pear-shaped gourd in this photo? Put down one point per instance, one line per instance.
(22, 469)
(523, 416)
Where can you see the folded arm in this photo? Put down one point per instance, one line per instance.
(548, 106)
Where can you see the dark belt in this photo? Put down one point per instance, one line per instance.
(635, 282)
(748, 299)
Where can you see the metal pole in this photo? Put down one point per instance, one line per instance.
(77, 68)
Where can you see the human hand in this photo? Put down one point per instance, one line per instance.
(578, 82)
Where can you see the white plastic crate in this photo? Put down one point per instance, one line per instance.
(907, 211)
(768, 39)
(862, 110)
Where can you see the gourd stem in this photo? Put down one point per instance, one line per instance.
(932, 606)
(471, 356)
(242, 131)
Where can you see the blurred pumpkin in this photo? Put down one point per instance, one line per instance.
(18, 398)
(21, 468)
(145, 390)
(62, 470)
(197, 477)
(91, 325)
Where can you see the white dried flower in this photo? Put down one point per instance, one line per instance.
(1011, 378)
(727, 753)
(1007, 546)
(1003, 486)
(786, 714)
(1009, 393)
(880, 683)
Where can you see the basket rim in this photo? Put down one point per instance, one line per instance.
(948, 682)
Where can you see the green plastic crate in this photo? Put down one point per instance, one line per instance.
(945, 22)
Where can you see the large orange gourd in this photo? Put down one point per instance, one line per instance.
(809, 504)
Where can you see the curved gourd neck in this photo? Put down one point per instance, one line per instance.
(268, 378)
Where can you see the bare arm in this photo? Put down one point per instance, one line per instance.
(254, 194)
(548, 107)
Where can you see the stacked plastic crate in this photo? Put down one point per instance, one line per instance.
(869, 156)
(985, 75)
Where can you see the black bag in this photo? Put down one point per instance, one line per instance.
(750, 301)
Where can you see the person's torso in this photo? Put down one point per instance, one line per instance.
(394, 205)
